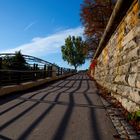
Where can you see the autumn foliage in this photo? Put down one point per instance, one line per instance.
(94, 17)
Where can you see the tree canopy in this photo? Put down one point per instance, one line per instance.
(74, 51)
(94, 17)
(16, 62)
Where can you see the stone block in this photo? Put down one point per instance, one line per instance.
(137, 30)
(124, 102)
(129, 37)
(133, 67)
(132, 80)
(121, 79)
(128, 97)
(134, 95)
(138, 80)
(130, 106)
(138, 65)
(114, 87)
(120, 89)
(133, 54)
(126, 91)
(123, 69)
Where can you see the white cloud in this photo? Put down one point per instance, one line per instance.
(29, 26)
(41, 46)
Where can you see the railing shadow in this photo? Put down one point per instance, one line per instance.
(61, 130)
(63, 103)
(4, 138)
(36, 93)
(59, 134)
(7, 98)
(41, 117)
(27, 110)
(95, 125)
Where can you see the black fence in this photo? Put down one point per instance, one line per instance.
(37, 69)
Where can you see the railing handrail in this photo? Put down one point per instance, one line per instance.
(37, 69)
(29, 57)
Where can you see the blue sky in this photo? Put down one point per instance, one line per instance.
(39, 27)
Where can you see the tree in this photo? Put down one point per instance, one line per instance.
(74, 51)
(6, 62)
(94, 17)
(16, 62)
(19, 62)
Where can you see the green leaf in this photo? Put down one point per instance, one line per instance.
(138, 113)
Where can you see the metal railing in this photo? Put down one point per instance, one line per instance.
(37, 69)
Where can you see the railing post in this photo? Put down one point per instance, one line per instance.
(68, 71)
(53, 71)
(49, 71)
(61, 71)
(0, 62)
(36, 69)
(34, 72)
(44, 71)
(0, 70)
(18, 77)
(58, 71)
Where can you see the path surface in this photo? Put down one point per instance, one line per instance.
(69, 109)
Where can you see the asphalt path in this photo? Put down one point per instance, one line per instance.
(69, 109)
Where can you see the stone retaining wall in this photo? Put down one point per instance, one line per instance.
(118, 66)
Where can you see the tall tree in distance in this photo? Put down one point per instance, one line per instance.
(94, 17)
(74, 51)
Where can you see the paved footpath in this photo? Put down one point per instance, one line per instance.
(68, 109)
